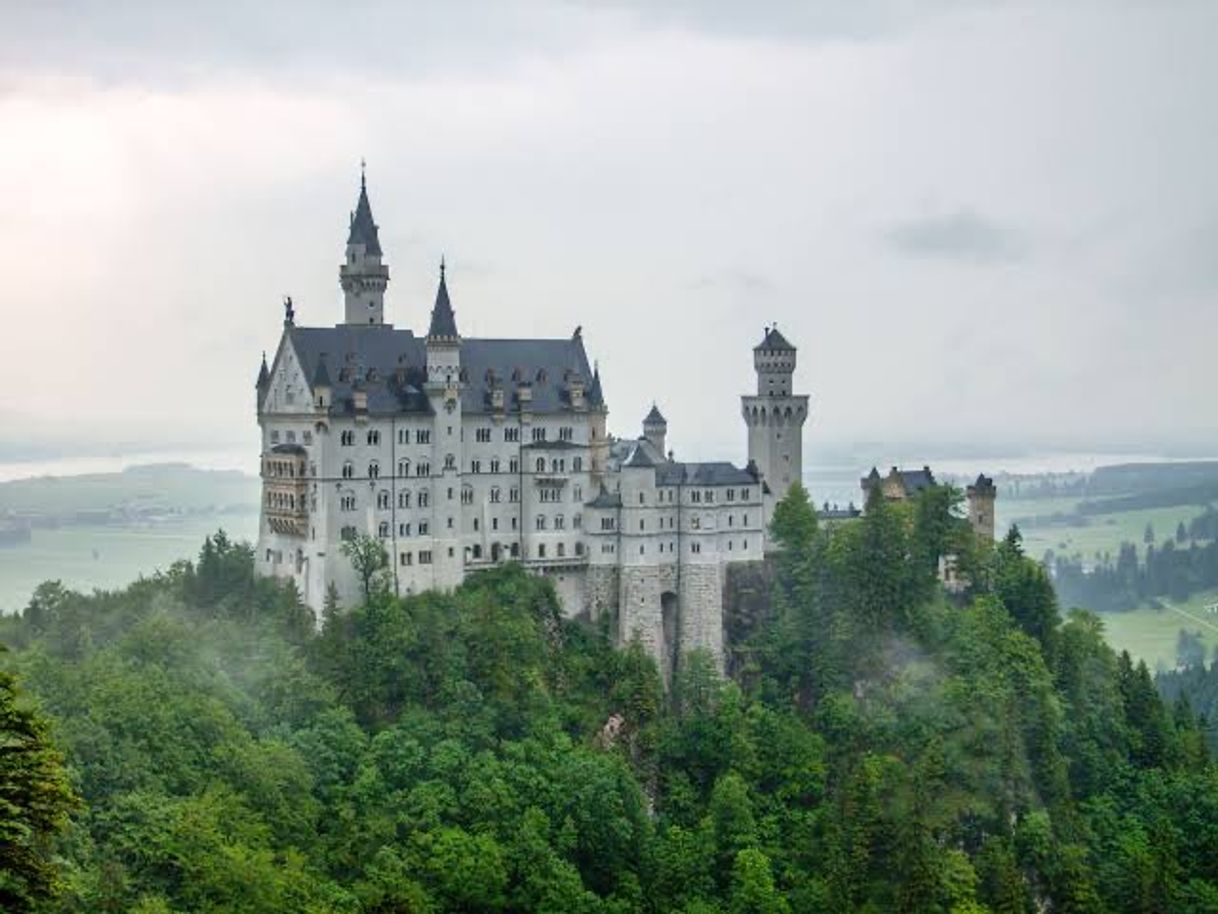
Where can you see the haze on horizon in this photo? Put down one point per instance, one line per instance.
(986, 226)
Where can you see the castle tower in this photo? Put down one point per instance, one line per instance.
(443, 388)
(655, 429)
(362, 275)
(775, 418)
(981, 496)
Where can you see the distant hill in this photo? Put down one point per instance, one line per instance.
(141, 491)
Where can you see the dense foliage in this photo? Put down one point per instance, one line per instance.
(880, 748)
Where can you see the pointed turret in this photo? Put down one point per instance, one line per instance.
(321, 377)
(655, 428)
(443, 321)
(595, 397)
(363, 228)
(262, 385)
(322, 388)
(362, 275)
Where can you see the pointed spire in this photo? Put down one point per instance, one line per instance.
(321, 377)
(363, 229)
(264, 376)
(655, 417)
(595, 397)
(443, 321)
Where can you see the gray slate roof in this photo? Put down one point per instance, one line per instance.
(713, 473)
(774, 340)
(391, 365)
(655, 417)
(264, 376)
(363, 229)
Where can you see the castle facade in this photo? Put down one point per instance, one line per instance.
(462, 453)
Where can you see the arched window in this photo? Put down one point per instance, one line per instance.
(382, 499)
(383, 530)
(541, 522)
(541, 464)
(560, 522)
(577, 463)
(450, 462)
(496, 493)
(348, 469)
(374, 470)
(424, 498)
(403, 467)
(404, 498)
(374, 437)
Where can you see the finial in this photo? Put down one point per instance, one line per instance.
(363, 165)
(441, 266)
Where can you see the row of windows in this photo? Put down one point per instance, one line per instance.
(290, 435)
(559, 464)
(697, 496)
(288, 468)
(511, 434)
(560, 522)
(282, 500)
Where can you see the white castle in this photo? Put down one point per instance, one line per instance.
(462, 453)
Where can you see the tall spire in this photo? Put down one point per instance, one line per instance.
(362, 275)
(443, 321)
(363, 229)
(264, 376)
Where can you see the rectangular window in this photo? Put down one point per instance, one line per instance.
(425, 557)
(422, 436)
(511, 434)
(539, 434)
(406, 558)
(482, 435)
(424, 527)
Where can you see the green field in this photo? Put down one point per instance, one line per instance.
(1150, 634)
(88, 557)
(1083, 537)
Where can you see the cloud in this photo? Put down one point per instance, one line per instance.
(963, 235)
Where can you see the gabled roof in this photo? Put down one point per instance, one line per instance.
(443, 321)
(774, 340)
(639, 457)
(363, 229)
(655, 417)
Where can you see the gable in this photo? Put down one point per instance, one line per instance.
(288, 391)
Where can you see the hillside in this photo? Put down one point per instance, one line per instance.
(879, 747)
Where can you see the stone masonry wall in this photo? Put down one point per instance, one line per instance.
(702, 610)
(602, 591)
(639, 613)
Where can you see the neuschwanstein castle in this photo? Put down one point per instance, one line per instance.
(460, 453)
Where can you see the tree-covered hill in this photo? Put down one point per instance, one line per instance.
(879, 748)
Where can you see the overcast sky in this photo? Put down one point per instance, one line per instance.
(986, 226)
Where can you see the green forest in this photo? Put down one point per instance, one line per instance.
(192, 744)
